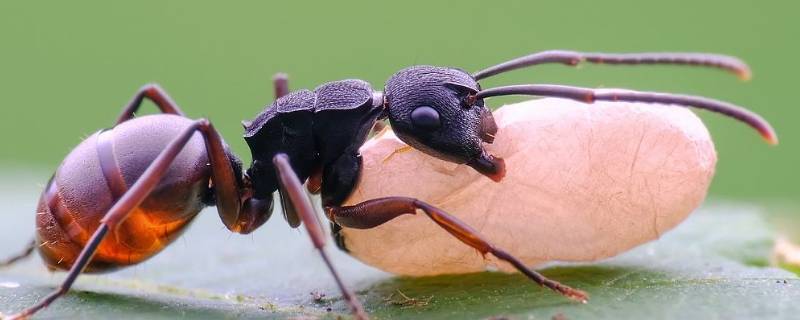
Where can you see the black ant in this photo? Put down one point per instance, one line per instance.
(127, 192)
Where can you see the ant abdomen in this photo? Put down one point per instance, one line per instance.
(98, 171)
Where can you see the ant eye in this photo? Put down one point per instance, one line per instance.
(425, 118)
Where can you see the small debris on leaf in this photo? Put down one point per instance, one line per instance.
(404, 301)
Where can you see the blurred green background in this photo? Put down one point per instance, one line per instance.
(67, 68)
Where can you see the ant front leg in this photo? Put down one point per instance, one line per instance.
(297, 198)
(372, 213)
(154, 93)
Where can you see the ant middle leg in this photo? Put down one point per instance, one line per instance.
(296, 197)
(372, 213)
(280, 83)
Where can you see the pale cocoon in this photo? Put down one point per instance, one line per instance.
(584, 182)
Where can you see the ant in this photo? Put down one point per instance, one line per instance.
(125, 193)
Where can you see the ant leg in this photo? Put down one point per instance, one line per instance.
(237, 215)
(280, 82)
(378, 127)
(22, 255)
(314, 183)
(372, 213)
(154, 93)
(298, 199)
(119, 211)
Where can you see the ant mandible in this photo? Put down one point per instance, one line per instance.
(127, 192)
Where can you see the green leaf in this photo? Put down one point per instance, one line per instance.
(711, 266)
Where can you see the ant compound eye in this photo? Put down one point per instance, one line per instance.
(425, 118)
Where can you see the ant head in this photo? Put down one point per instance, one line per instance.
(435, 110)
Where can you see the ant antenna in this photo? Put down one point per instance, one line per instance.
(573, 58)
(591, 95)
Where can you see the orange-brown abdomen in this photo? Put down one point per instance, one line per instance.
(98, 171)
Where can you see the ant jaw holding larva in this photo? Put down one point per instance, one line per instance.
(492, 167)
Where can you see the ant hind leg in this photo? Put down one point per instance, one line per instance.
(19, 256)
(154, 93)
(118, 212)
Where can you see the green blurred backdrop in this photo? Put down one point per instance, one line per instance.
(66, 68)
